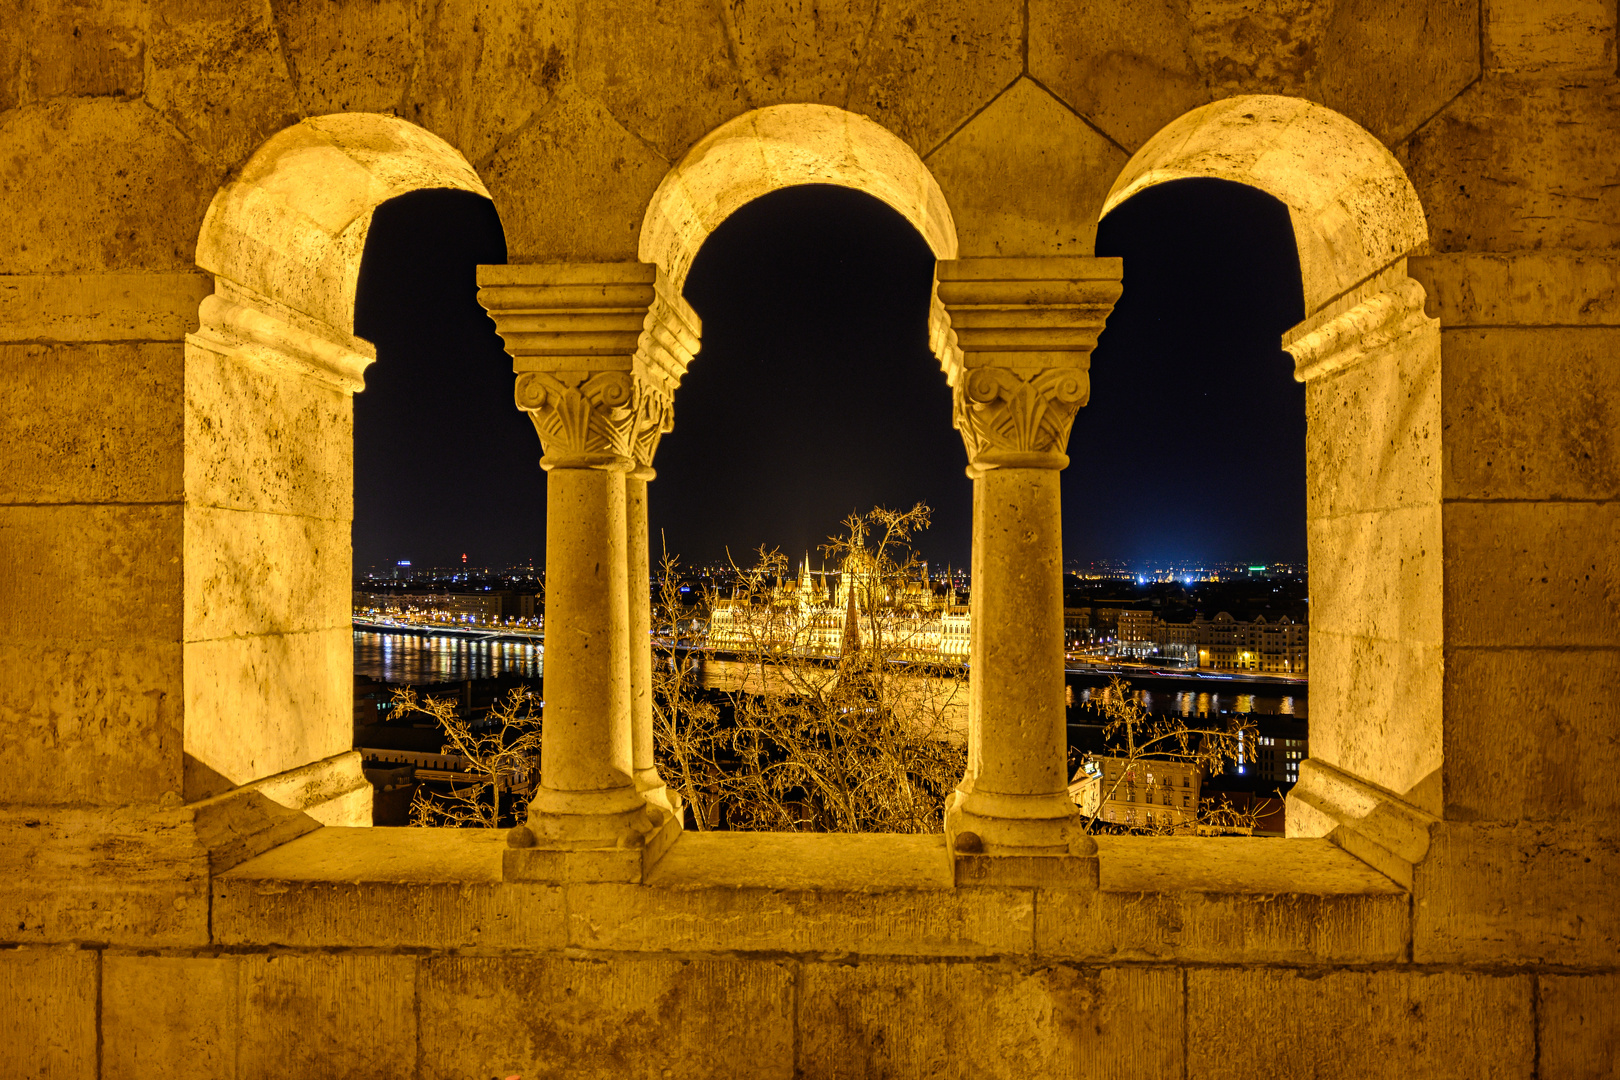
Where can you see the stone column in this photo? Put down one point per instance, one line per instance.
(638, 553)
(1015, 338)
(596, 373)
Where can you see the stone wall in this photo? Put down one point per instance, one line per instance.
(179, 890)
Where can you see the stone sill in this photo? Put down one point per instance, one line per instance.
(1214, 900)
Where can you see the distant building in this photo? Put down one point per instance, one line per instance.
(808, 617)
(481, 606)
(1147, 793)
(1219, 644)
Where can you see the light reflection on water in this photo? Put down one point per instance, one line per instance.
(410, 658)
(1191, 703)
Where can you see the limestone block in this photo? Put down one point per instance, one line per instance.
(990, 1020)
(89, 724)
(79, 575)
(169, 1016)
(1377, 575)
(573, 185)
(215, 69)
(11, 54)
(353, 57)
(1555, 140)
(1531, 734)
(337, 1015)
(1064, 168)
(1579, 1026)
(1390, 67)
(551, 1016)
(931, 64)
(1244, 48)
(1520, 288)
(386, 888)
(1374, 434)
(1535, 573)
(798, 50)
(118, 875)
(267, 441)
(83, 48)
(257, 706)
(48, 1012)
(1376, 712)
(138, 208)
(250, 573)
(1368, 1024)
(663, 70)
(1126, 67)
(1225, 900)
(488, 67)
(248, 820)
(1562, 37)
(65, 438)
(1526, 893)
(130, 307)
(1532, 414)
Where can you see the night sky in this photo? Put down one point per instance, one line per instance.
(815, 393)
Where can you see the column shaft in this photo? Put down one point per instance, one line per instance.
(639, 600)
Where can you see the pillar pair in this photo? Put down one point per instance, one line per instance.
(598, 350)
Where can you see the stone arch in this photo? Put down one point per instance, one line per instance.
(783, 146)
(269, 468)
(1354, 211)
(1370, 358)
(284, 236)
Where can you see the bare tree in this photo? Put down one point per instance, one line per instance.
(503, 754)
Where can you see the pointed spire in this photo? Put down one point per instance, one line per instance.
(852, 626)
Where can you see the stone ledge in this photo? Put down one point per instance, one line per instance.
(1223, 900)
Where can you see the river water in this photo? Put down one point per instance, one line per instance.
(418, 660)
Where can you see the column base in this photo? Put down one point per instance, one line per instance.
(652, 788)
(620, 837)
(995, 824)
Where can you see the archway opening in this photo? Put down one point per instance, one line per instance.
(1184, 503)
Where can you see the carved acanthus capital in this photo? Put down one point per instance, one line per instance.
(1014, 337)
(601, 419)
(1012, 417)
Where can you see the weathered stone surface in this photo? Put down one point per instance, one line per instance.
(573, 186)
(257, 706)
(169, 1016)
(63, 438)
(1127, 67)
(1376, 711)
(137, 210)
(1373, 1024)
(1532, 573)
(48, 1012)
(386, 888)
(1520, 288)
(1532, 414)
(1555, 142)
(1373, 435)
(1225, 900)
(662, 69)
(83, 48)
(488, 67)
(250, 573)
(266, 441)
(1247, 48)
(114, 875)
(1525, 737)
(49, 308)
(885, 1019)
(1378, 574)
(1579, 1027)
(1522, 894)
(83, 574)
(932, 64)
(798, 50)
(1392, 67)
(1550, 37)
(1026, 177)
(215, 70)
(83, 724)
(352, 57)
(343, 1015)
(594, 1018)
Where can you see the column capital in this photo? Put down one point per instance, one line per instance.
(1014, 337)
(599, 350)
